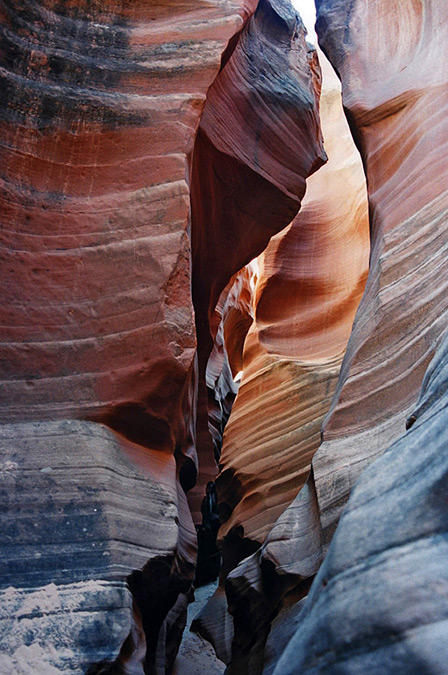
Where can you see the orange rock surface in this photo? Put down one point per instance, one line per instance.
(392, 59)
(258, 141)
(99, 114)
(395, 93)
(309, 283)
(99, 110)
(115, 205)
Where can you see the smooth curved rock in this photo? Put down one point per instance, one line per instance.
(305, 293)
(98, 119)
(309, 283)
(258, 141)
(394, 92)
(380, 601)
(99, 111)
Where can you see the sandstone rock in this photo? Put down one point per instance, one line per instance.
(379, 602)
(99, 111)
(62, 627)
(305, 293)
(393, 92)
(258, 141)
(82, 509)
(99, 114)
(309, 283)
(98, 117)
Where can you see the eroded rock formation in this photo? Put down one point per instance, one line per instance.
(384, 581)
(99, 110)
(393, 92)
(393, 101)
(151, 150)
(305, 292)
(99, 118)
(309, 283)
(258, 141)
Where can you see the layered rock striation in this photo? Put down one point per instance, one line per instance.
(393, 97)
(309, 283)
(99, 111)
(384, 581)
(100, 151)
(304, 293)
(393, 94)
(258, 140)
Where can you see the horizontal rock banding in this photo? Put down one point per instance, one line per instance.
(99, 110)
(97, 121)
(387, 557)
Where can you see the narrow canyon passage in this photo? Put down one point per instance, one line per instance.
(281, 326)
(224, 311)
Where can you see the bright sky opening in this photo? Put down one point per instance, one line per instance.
(307, 11)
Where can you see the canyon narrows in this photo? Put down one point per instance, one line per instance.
(192, 291)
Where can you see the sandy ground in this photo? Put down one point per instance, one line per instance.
(196, 656)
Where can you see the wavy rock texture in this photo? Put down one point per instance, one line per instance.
(309, 284)
(384, 581)
(258, 141)
(234, 316)
(99, 110)
(82, 508)
(305, 293)
(394, 93)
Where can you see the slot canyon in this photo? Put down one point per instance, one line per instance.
(224, 346)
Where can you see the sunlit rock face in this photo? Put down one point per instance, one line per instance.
(100, 106)
(305, 292)
(258, 141)
(309, 283)
(384, 581)
(394, 91)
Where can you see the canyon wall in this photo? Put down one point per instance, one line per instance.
(150, 151)
(394, 92)
(379, 602)
(304, 289)
(393, 97)
(309, 282)
(117, 208)
(99, 111)
(258, 140)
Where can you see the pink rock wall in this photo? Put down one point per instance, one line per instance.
(394, 92)
(308, 286)
(99, 115)
(258, 141)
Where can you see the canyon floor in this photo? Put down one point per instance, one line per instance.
(196, 656)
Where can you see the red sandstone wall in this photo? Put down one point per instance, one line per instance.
(309, 283)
